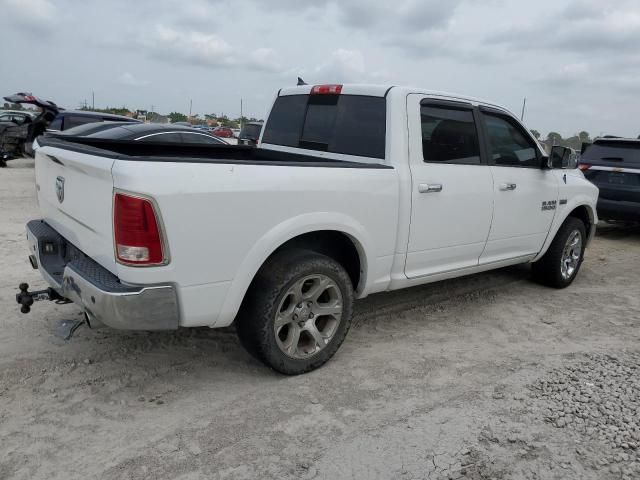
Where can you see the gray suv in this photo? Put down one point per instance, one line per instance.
(613, 165)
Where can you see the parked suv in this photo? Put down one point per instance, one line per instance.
(613, 165)
(250, 133)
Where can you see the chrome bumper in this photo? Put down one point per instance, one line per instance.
(103, 297)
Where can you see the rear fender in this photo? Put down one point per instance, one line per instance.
(278, 236)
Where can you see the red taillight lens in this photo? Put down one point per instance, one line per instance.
(326, 90)
(584, 167)
(137, 235)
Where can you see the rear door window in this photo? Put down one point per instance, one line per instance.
(449, 135)
(345, 124)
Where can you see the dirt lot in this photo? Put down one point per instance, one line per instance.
(489, 376)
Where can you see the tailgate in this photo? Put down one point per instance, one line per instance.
(75, 194)
(622, 185)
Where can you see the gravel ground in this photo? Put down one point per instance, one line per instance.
(489, 376)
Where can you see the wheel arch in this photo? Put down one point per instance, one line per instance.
(580, 209)
(332, 234)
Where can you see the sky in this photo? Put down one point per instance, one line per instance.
(576, 61)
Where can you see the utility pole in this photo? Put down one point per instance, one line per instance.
(93, 100)
(190, 107)
(241, 116)
(524, 105)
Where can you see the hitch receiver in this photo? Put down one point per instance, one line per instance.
(26, 298)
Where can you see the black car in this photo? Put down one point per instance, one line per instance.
(16, 138)
(613, 165)
(142, 132)
(250, 133)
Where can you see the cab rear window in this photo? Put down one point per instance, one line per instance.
(346, 124)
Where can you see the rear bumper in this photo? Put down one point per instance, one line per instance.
(618, 210)
(96, 290)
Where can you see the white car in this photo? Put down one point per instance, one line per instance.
(354, 190)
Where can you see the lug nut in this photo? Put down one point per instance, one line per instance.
(295, 316)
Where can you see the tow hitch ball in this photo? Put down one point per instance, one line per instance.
(26, 298)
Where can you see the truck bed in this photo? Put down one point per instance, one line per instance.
(132, 150)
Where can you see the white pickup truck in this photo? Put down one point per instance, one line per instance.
(353, 190)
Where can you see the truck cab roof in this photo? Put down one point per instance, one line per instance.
(375, 90)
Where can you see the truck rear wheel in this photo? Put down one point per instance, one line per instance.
(297, 311)
(559, 267)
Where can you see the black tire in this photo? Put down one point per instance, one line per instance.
(548, 271)
(255, 322)
(3, 163)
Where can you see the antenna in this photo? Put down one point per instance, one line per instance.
(524, 105)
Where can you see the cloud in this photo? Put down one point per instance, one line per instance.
(581, 27)
(409, 16)
(131, 81)
(204, 49)
(38, 16)
(196, 48)
(343, 66)
(400, 15)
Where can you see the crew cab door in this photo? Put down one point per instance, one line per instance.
(525, 195)
(451, 187)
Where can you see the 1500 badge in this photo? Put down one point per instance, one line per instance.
(550, 205)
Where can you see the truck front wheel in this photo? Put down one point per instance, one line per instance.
(297, 312)
(560, 265)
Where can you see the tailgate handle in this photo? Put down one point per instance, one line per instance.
(507, 187)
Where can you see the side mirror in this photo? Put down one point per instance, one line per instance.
(562, 157)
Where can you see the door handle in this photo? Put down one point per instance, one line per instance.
(429, 187)
(506, 187)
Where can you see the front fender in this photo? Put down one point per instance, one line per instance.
(278, 236)
(582, 200)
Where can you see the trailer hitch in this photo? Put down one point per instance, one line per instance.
(26, 298)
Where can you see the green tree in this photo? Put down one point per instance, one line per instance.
(584, 137)
(177, 117)
(536, 134)
(554, 138)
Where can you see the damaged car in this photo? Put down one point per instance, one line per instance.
(16, 137)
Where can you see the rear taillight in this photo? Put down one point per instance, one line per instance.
(326, 90)
(136, 226)
(584, 166)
